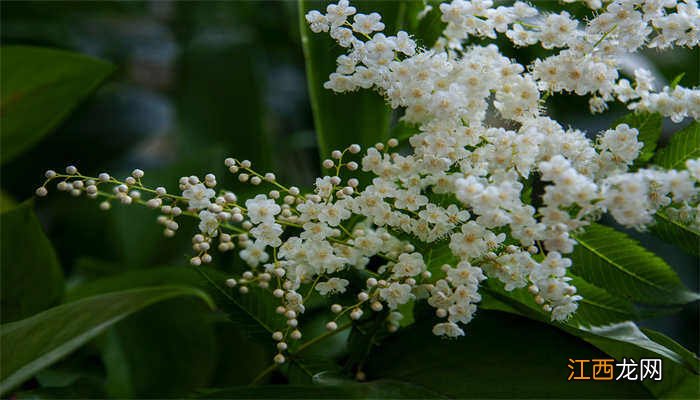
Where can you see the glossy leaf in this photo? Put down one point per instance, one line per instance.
(500, 355)
(40, 87)
(44, 338)
(612, 260)
(676, 233)
(684, 145)
(32, 279)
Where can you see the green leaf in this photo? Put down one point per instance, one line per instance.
(254, 313)
(165, 351)
(676, 80)
(619, 340)
(342, 119)
(649, 127)
(32, 279)
(599, 307)
(615, 262)
(40, 87)
(684, 145)
(44, 338)
(626, 340)
(501, 355)
(676, 233)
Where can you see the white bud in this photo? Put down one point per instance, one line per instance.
(206, 258)
(336, 154)
(356, 314)
(231, 282)
(281, 346)
(294, 191)
(105, 205)
(296, 334)
(130, 180)
(196, 261)
(353, 182)
(352, 166)
(168, 232)
(328, 164)
(377, 306)
(243, 290)
(41, 191)
(331, 326)
(354, 148)
(393, 142)
(255, 180)
(243, 177)
(229, 162)
(71, 170)
(278, 293)
(441, 313)
(270, 177)
(363, 296)
(137, 173)
(277, 336)
(246, 164)
(371, 282)
(336, 308)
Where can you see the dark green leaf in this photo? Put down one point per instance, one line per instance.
(684, 145)
(254, 313)
(676, 233)
(649, 127)
(500, 355)
(44, 338)
(599, 307)
(165, 351)
(40, 87)
(32, 279)
(615, 262)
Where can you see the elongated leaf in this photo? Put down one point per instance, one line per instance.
(254, 313)
(43, 339)
(501, 356)
(619, 340)
(599, 307)
(40, 87)
(676, 233)
(342, 119)
(617, 263)
(32, 279)
(165, 351)
(626, 340)
(649, 127)
(684, 145)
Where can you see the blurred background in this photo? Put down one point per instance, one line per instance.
(196, 82)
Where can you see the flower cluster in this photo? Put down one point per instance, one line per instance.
(461, 190)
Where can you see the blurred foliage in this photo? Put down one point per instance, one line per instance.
(194, 82)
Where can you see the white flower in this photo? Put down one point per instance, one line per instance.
(254, 254)
(396, 294)
(448, 329)
(268, 234)
(317, 21)
(333, 285)
(198, 196)
(208, 223)
(261, 209)
(367, 24)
